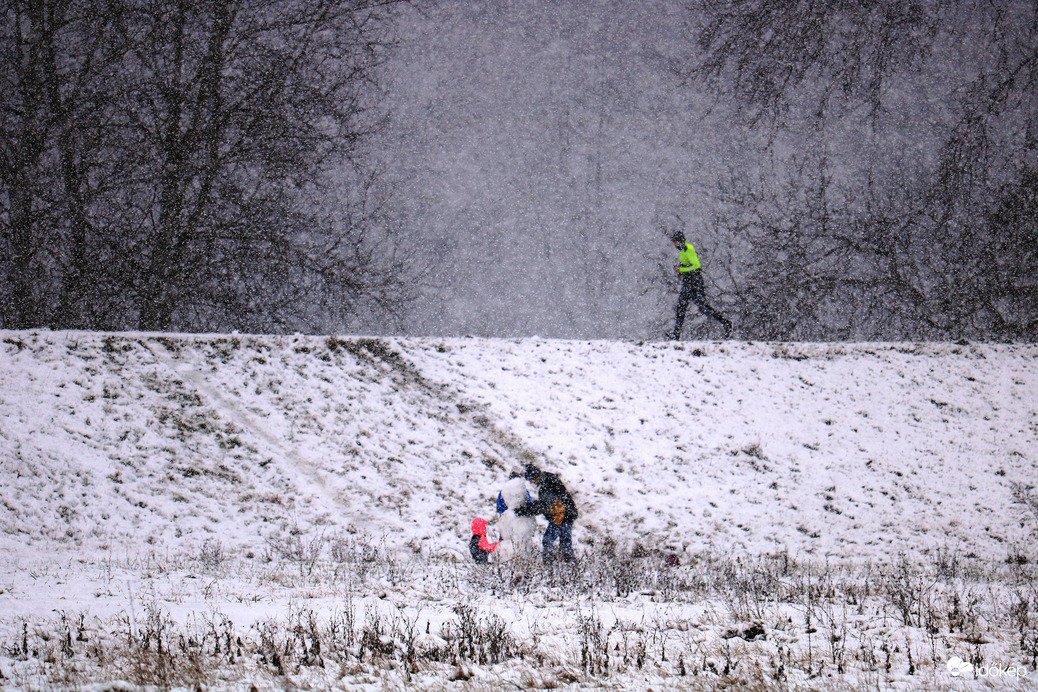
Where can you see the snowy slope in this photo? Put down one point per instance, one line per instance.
(110, 441)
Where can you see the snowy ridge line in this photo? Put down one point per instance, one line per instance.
(851, 450)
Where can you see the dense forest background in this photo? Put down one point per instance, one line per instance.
(863, 170)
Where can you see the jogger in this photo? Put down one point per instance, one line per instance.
(692, 288)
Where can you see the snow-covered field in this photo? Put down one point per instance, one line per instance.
(285, 511)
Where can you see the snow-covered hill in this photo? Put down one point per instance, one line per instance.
(852, 450)
(227, 511)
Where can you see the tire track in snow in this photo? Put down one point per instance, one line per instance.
(303, 474)
(494, 437)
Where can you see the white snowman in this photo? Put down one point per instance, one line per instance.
(517, 533)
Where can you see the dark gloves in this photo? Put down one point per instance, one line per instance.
(528, 510)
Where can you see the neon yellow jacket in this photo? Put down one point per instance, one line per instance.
(688, 260)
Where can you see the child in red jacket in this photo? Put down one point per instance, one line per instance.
(479, 546)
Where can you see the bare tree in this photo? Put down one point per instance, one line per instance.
(169, 164)
(26, 48)
(932, 241)
(789, 275)
(763, 50)
(242, 107)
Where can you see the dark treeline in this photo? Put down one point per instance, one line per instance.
(848, 170)
(165, 164)
(897, 191)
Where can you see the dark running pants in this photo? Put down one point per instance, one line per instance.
(692, 290)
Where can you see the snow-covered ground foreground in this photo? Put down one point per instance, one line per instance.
(293, 511)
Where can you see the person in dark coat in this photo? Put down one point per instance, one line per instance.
(557, 506)
(692, 288)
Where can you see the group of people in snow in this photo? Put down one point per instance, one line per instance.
(517, 511)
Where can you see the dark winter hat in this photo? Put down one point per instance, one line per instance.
(531, 472)
(677, 237)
